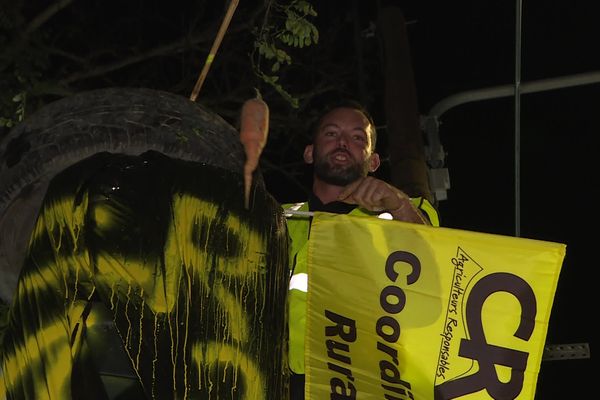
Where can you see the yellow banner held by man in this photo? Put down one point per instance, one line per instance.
(405, 311)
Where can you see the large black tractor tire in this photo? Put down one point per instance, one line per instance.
(160, 237)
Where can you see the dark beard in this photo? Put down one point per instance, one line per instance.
(339, 176)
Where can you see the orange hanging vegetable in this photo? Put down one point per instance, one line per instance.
(254, 129)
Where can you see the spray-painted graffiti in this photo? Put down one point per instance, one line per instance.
(195, 283)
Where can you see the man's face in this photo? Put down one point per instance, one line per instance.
(342, 150)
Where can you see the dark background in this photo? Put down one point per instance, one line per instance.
(455, 47)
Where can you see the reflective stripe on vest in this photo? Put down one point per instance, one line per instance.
(299, 282)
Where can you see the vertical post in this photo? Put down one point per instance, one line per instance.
(518, 119)
(407, 156)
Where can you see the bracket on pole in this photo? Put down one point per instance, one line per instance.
(571, 351)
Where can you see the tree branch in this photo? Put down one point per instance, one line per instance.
(170, 48)
(44, 16)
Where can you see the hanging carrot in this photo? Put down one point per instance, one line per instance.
(254, 129)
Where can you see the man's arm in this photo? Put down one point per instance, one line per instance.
(376, 195)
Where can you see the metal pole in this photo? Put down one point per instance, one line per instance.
(519, 7)
(496, 92)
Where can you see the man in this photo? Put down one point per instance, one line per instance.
(342, 154)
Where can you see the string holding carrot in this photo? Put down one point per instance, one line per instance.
(254, 129)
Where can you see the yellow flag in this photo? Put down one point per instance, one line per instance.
(406, 311)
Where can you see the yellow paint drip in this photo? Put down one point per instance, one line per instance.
(209, 356)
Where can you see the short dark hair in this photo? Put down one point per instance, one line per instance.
(345, 103)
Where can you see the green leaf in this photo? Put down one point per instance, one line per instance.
(287, 25)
